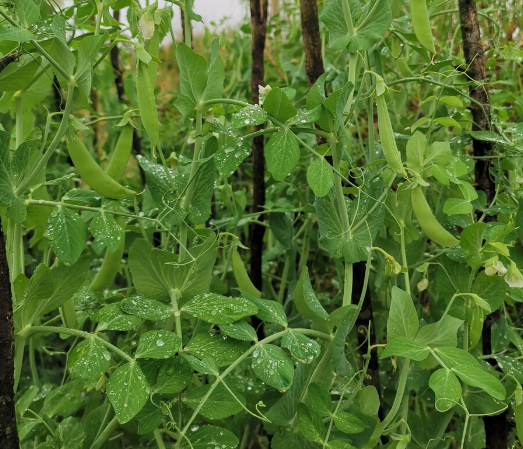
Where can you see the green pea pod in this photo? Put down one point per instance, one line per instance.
(428, 222)
(388, 142)
(110, 265)
(421, 24)
(153, 47)
(92, 173)
(242, 278)
(402, 66)
(121, 154)
(68, 314)
(147, 103)
(518, 417)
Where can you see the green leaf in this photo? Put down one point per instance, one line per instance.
(475, 376)
(67, 234)
(278, 105)
(310, 423)
(241, 330)
(128, 391)
(306, 302)
(30, 304)
(471, 241)
(301, 347)
(229, 156)
(492, 289)
(348, 423)
(111, 318)
(404, 347)
(447, 389)
(219, 309)
(452, 101)
(27, 11)
(316, 95)
(150, 417)
(89, 360)
(158, 344)
(269, 311)
(174, 375)
(420, 122)
(147, 309)
(209, 436)
(69, 434)
(205, 366)
(350, 26)
(340, 444)
(440, 173)
(221, 351)
(87, 49)
(338, 343)
(251, 115)
(319, 399)
(320, 177)
(152, 269)
(105, 229)
(403, 319)
(457, 206)
(273, 366)
(441, 333)
(15, 34)
(416, 148)
(219, 405)
(448, 122)
(215, 73)
(282, 153)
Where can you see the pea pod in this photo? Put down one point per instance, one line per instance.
(428, 222)
(121, 153)
(147, 103)
(110, 265)
(518, 417)
(240, 274)
(153, 46)
(388, 142)
(421, 24)
(401, 64)
(68, 314)
(92, 173)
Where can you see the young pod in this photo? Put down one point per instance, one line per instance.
(428, 222)
(388, 142)
(147, 103)
(240, 274)
(421, 24)
(92, 173)
(121, 153)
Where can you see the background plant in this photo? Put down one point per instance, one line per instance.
(383, 299)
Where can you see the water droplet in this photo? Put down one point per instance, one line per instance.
(160, 342)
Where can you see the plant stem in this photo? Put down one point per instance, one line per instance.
(347, 284)
(104, 436)
(19, 357)
(59, 134)
(404, 372)
(404, 258)
(175, 295)
(284, 276)
(159, 439)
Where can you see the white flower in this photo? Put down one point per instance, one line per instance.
(490, 271)
(513, 277)
(146, 26)
(264, 90)
(423, 284)
(495, 266)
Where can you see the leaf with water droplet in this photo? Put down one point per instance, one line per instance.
(212, 437)
(272, 365)
(88, 360)
(231, 155)
(213, 346)
(219, 309)
(249, 116)
(67, 234)
(270, 311)
(306, 116)
(241, 330)
(105, 229)
(348, 423)
(148, 309)
(112, 318)
(158, 344)
(128, 391)
(282, 153)
(320, 177)
(310, 423)
(220, 404)
(301, 347)
(174, 375)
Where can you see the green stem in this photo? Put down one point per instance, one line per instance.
(347, 284)
(104, 436)
(77, 333)
(19, 124)
(404, 257)
(175, 296)
(284, 276)
(187, 20)
(32, 363)
(99, 12)
(190, 190)
(404, 372)
(240, 359)
(159, 439)
(50, 150)
(19, 358)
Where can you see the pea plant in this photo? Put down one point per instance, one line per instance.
(387, 305)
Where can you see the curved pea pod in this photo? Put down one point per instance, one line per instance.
(421, 24)
(428, 221)
(518, 418)
(121, 153)
(153, 48)
(147, 103)
(388, 142)
(92, 173)
(242, 278)
(110, 266)
(401, 64)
